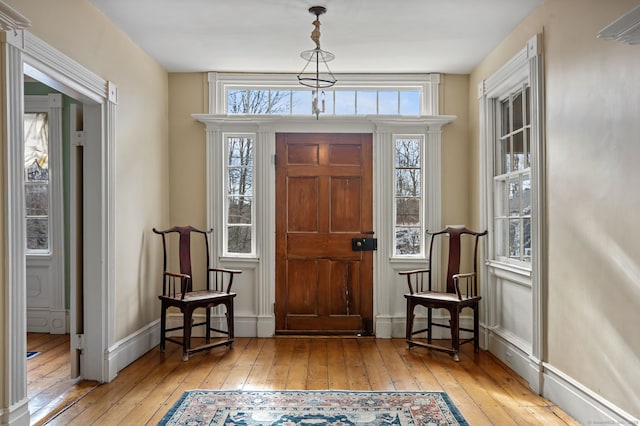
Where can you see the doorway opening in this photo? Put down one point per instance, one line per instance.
(53, 179)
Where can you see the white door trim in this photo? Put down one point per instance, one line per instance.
(25, 53)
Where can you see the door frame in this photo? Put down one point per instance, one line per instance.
(24, 53)
(256, 287)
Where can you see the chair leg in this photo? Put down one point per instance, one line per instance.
(476, 329)
(163, 325)
(208, 326)
(455, 332)
(186, 333)
(230, 329)
(429, 326)
(409, 322)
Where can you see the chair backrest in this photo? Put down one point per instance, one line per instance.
(184, 250)
(455, 246)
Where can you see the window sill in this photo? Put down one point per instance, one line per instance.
(39, 255)
(232, 259)
(515, 273)
(409, 262)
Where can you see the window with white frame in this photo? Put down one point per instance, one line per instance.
(408, 195)
(369, 101)
(36, 181)
(512, 177)
(354, 94)
(239, 219)
(511, 109)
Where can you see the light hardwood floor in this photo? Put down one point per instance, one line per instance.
(484, 389)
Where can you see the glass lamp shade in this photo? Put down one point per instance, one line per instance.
(322, 77)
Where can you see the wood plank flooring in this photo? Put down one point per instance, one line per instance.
(485, 390)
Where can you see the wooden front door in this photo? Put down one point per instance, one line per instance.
(323, 200)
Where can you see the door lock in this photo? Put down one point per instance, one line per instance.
(364, 244)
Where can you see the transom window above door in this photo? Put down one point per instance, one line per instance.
(281, 94)
(334, 102)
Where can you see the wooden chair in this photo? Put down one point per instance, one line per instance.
(461, 292)
(178, 290)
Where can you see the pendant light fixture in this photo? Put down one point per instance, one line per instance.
(317, 59)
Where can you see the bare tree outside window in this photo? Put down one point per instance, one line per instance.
(408, 196)
(239, 171)
(512, 179)
(258, 101)
(239, 194)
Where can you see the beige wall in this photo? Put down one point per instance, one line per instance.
(592, 202)
(78, 30)
(188, 94)
(456, 174)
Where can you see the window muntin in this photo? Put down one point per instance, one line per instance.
(408, 195)
(512, 179)
(36, 182)
(370, 101)
(239, 235)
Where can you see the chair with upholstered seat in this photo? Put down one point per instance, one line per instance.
(178, 291)
(460, 291)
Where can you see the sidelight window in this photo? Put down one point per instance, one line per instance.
(239, 196)
(408, 205)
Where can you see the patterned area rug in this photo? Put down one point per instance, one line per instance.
(286, 408)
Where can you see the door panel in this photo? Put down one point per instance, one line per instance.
(323, 198)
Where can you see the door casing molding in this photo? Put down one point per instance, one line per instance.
(24, 53)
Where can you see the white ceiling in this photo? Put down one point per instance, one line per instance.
(366, 36)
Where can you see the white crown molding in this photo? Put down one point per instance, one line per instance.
(625, 29)
(11, 20)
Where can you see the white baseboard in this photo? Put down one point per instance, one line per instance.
(16, 415)
(514, 356)
(132, 347)
(265, 326)
(581, 403)
(45, 320)
(420, 322)
(384, 327)
(244, 326)
(575, 399)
